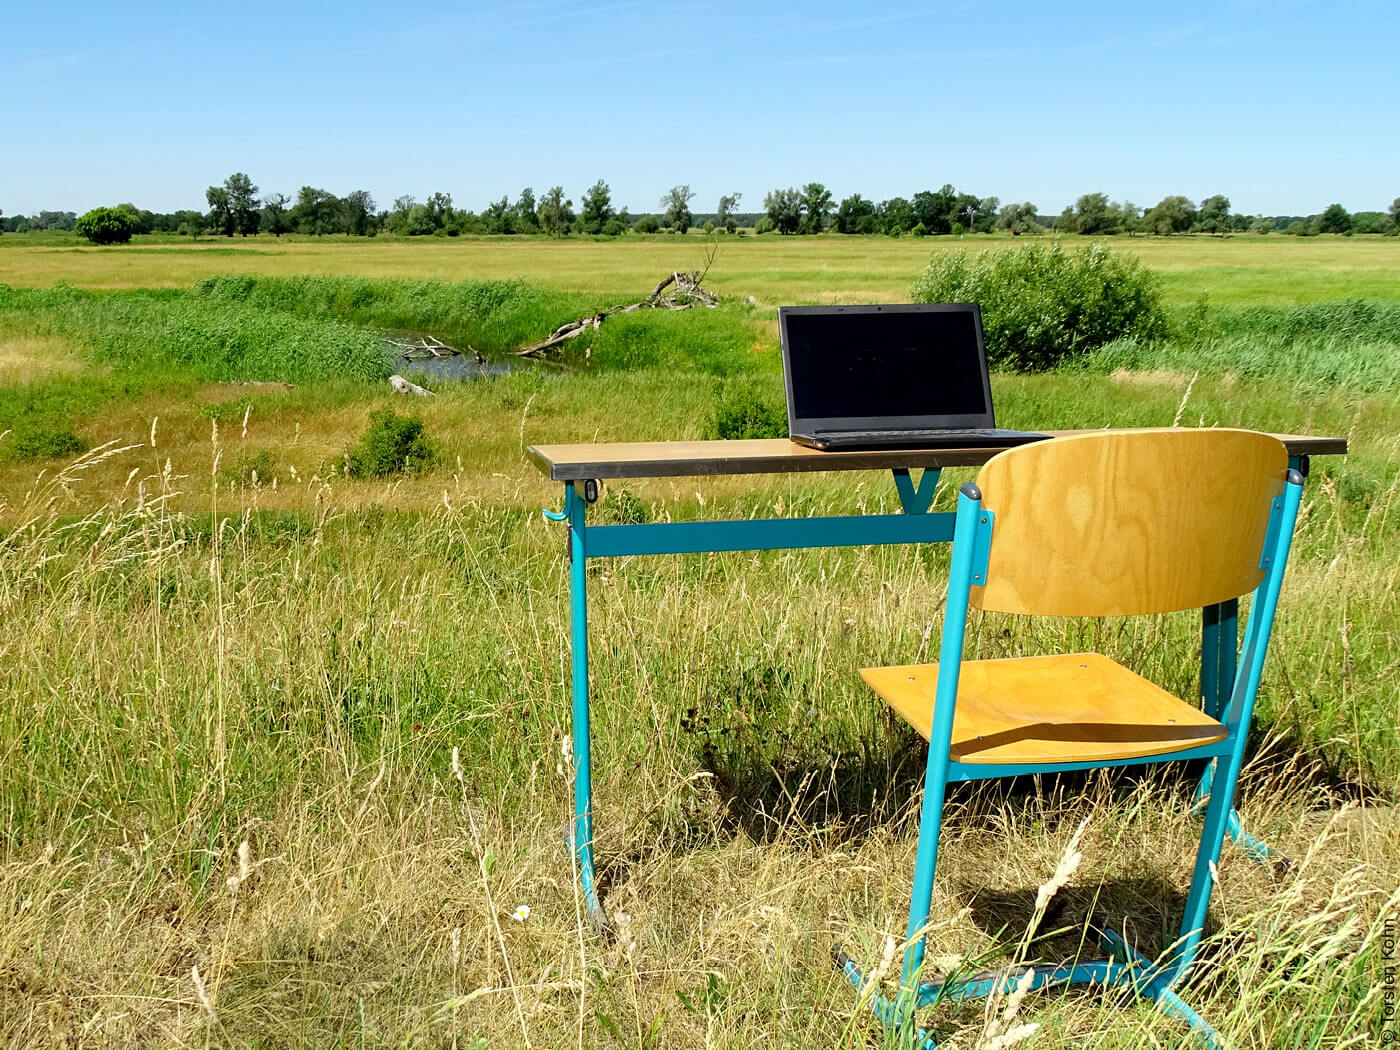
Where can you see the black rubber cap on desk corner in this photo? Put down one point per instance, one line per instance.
(971, 491)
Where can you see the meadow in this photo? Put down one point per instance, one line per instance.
(235, 678)
(1272, 269)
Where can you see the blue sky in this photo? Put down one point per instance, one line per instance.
(1284, 107)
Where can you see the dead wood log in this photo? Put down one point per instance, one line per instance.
(403, 386)
(564, 333)
(424, 348)
(688, 293)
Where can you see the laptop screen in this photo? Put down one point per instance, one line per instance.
(868, 366)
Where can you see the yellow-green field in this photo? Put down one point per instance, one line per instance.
(776, 270)
(229, 704)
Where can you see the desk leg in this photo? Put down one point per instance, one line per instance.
(915, 500)
(581, 830)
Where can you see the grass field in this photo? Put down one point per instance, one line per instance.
(776, 270)
(193, 661)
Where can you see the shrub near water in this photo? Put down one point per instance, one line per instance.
(392, 445)
(1042, 305)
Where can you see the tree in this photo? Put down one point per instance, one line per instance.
(397, 220)
(647, 224)
(1214, 216)
(1171, 215)
(525, 219)
(784, 210)
(1262, 224)
(933, 211)
(1133, 223)
(856, 215)
(189, 223)
(220, 213)
(1017, 219)
(314, 211)
(141, 221)
(499, 217)
(984, 221)
(357, 213)
(555, 213)
(243, 204)
(895, 216)
(54, 220)
(1370, 222)
(105, 226)
(596, 208)
(816, 207)
(1094, 216)
(724, 213)
(274, 218)
(439, 206)
(676, 201)
(963, 210)
(1335, 220)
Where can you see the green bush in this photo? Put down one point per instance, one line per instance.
(392, 445)
(43, 442)
(742, 410)
(106, 226)
(1042, 305)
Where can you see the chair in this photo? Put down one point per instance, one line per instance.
(1108, 523)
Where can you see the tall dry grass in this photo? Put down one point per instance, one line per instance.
(287, 780)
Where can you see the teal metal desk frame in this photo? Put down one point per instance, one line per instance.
(916, 524)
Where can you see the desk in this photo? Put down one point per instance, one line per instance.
(580, 467)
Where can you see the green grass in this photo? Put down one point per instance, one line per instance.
(190, 660)
(301, 682)
(175, 334)
(1240, 271)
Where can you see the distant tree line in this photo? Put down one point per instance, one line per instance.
(947, 211)
(238, 208)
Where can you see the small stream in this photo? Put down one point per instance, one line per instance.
(465, 365)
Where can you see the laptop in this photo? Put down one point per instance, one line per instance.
(893, 376)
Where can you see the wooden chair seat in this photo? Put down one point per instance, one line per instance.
(1081, 707)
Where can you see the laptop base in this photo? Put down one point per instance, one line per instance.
(855, 440)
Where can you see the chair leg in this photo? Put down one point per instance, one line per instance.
(921, 898)
(1126, 969)
(1222, 775)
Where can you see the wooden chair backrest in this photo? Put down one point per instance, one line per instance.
(1122, 522)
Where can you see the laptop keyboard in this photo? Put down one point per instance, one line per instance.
(952, 437)
(922, 433)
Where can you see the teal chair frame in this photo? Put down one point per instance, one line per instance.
(1157, 980)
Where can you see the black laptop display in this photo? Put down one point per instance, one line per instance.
(895, 376)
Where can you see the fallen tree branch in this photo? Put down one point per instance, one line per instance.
(688, 293)
(403, 386)
(424, 348)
